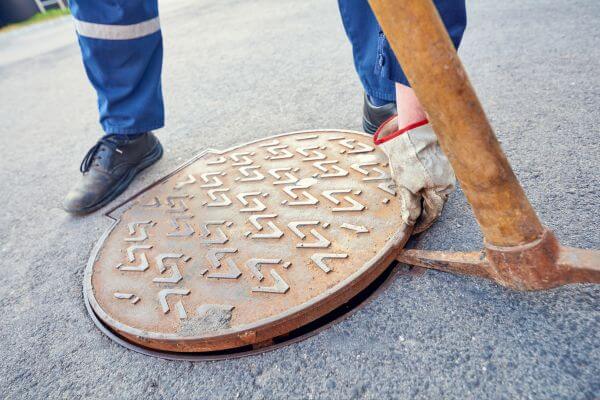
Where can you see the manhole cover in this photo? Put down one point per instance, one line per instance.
(240, 246)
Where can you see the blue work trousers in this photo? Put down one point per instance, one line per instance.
(375, 63)
(122, 50)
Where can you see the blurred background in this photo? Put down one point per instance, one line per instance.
(15, 13)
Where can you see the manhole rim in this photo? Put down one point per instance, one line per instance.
(297, 316)
(207, 356)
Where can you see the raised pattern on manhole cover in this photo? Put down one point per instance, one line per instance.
(240, 246)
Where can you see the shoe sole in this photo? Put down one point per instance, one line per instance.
(368, 127)
(153, 156)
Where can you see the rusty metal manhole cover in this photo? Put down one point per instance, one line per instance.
(240, 246)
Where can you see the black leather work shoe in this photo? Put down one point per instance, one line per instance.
(108, 168)
(374, 116)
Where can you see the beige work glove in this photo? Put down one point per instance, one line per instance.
(423, 175)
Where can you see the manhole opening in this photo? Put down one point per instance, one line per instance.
(297, 335)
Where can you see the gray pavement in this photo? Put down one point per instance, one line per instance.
(239, 70)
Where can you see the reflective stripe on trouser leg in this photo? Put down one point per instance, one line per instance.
(121, 47)
(117, 32)
(374, 59)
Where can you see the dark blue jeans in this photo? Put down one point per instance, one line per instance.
(377, 67)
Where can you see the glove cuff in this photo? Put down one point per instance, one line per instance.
(389, 130)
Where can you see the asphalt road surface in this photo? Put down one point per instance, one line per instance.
(239, 70)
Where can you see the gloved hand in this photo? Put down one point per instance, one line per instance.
(423, 175)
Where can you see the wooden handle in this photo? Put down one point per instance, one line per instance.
(422, 45)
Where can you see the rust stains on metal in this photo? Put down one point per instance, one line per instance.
(240, 246)
(542, 264)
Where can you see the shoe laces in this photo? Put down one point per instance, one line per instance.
(110, 141)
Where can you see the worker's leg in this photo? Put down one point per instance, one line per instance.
(121, 46)
(363, 30)
(374, 60)
(365, 35)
